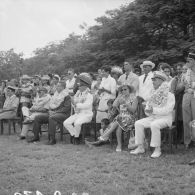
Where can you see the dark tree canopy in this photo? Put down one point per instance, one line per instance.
(162, 31)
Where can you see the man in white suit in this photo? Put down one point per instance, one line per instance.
(159, 109)
(129, 77)
(145, 80)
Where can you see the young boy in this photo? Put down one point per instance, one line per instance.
(104, 126)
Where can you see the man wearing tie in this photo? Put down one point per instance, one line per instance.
(145, 80)
(129, 78)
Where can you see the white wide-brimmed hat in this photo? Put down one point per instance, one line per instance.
(147, 63)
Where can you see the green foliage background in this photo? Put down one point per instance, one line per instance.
(161, 31)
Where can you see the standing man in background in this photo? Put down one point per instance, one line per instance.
(71, 81)
(129, 78)
(145, 80)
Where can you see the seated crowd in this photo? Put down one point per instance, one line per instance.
(123, 101)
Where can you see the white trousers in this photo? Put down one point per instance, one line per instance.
(155, 124)
(25, 129)
(74, 122)
(25, 111)
(31, 115)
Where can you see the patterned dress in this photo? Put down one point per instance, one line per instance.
(126, 119)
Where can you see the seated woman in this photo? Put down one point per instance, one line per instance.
(126, 103)
(40, 107)
(83, 104)
(10, 105)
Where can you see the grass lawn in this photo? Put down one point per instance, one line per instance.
(70, 168)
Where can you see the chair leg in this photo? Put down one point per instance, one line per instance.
(61, 132)
(95, 131)
(9, 126)
(14, 126)
(21, 123)
(83, 132)
(2, 127)
(111, 140)
(175, 138)
(170, 140)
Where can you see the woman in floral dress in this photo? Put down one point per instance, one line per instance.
(126, 103)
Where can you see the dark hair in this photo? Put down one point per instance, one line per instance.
(93, 76)
(106, 69)
(105, 121)
(4, 83)
(50, 75)
(110, 101)
(137, 70)
(165, 65)
(71, 69)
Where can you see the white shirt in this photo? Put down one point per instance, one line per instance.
(42, 102)
(70, 84)
(84, 102)
(145, 88)
(131, 79)
(109, 83)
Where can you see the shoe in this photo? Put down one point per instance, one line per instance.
(97, 143)
(132, 146)
(192, 162)
(118, 149)
(157, 153)
(138, 150)
(33, 140)
(52, 142)
(22, 137)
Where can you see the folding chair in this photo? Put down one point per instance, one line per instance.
(11, 121)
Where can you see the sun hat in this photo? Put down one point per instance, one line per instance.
(45, 77)
(25, 77)
(147, 63)
(11, 88)
(43, 89)
(36, 76)
(191, 55)
(85, 78)
(130, 87)
(160, 75)
(56, 76)
(117, 69)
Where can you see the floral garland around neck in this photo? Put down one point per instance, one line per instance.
(159, 96)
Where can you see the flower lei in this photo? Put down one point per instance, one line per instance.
(159, 97)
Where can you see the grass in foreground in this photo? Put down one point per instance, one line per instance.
(69, 168)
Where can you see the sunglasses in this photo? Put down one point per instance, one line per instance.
(123, 89)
